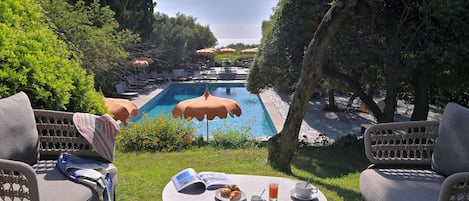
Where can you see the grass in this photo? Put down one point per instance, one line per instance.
(335, 169)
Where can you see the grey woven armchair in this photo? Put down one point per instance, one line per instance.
(30, 143)
(418, 160)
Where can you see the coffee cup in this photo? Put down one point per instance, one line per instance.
(256, 198)
(302, 189)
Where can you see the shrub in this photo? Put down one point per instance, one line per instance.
(162, 133)
(233, 137)
(34, 60)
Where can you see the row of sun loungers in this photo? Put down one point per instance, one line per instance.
(136, 83)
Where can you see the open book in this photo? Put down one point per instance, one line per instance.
(210, 180)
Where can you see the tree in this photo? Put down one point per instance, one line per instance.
(177, 38)
(403, 48)
(438, 49)
(408, 49)
(135, 15)
(280, 57)
(283, 145)
(34, 60)
(91, 32)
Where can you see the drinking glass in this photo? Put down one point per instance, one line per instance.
(273, 191)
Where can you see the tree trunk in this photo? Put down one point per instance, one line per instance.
(421, 106)
(331, 99)
(392, 62)
(283, 145)
(351, 99)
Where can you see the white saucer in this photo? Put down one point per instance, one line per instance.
(311, 197)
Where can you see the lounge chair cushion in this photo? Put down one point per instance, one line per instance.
(18, 132)
(451, 152)
(400, 184)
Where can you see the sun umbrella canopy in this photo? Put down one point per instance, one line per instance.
(250, 51)
(139, 62)
(121, 109)
(227, 50)
(205, 52)
(207, 105)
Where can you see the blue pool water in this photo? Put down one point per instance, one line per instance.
(253, 109)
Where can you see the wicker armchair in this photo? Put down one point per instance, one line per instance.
(418, 160)
(39, 179)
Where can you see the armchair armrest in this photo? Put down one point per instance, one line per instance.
(401, 143)
(17, 181)
(455, 186)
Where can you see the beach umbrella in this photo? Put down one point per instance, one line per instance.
(121, 109)
(250, 51)
(227, 50)
(208, 107)
(205, 52)
(139, 62)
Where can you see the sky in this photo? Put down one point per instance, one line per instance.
(231, 21)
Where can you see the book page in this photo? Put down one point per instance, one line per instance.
(214, 180)
(185, 178)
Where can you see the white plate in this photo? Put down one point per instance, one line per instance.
(311, 197)
(221, 198)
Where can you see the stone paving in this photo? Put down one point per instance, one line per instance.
(319, 127)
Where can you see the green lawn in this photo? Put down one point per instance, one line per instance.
(335, 170)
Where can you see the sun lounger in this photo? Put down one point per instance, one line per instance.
(124, 91)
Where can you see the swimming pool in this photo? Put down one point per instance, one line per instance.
(254, 111)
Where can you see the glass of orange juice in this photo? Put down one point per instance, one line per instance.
(273, 191)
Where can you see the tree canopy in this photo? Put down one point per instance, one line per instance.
(135, 15)
(177, 38)
(408, 49)
(90, 31)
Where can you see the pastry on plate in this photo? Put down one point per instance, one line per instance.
(235, 195)
(225, 192)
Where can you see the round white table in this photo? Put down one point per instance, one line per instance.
(250, 184)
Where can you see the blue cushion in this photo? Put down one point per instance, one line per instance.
(18, 132)
(451, 152)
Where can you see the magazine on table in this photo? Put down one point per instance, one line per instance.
(210, 180)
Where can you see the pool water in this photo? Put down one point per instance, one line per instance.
(254, 112)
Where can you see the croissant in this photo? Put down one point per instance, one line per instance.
(235, 187)
(225, 192)
(235, 195)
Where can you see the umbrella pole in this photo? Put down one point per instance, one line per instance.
(206, 120)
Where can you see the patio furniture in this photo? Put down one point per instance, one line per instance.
(158, 77)
(31, 141)
(249, 184)
(134, 82)
(124, 91)
(418, 160)
(146, 78)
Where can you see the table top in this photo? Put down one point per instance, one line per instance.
(250, 184)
